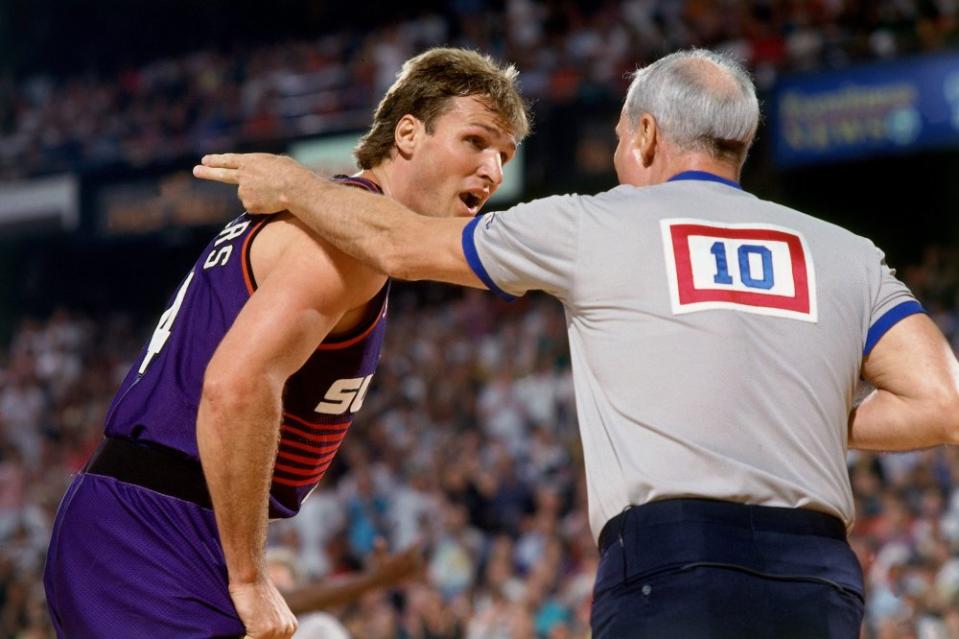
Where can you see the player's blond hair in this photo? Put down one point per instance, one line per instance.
(424, 88)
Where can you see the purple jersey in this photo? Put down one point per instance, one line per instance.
(159, 398)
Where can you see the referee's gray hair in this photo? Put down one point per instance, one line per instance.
(697, 106)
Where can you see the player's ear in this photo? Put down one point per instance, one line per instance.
(646, 136)
(407, 134)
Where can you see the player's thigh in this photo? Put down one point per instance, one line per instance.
(126, 561)
(719, 603)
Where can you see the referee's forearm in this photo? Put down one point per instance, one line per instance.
(372, 228)
(383, 233)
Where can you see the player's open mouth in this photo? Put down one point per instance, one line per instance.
(472, 201)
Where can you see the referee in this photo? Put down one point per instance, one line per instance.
(717, 341)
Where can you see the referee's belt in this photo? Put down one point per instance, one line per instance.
(158, 468)
(800, 521)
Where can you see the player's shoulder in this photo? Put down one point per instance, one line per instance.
(282, 231)
(286, 242)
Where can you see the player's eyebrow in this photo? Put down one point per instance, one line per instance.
(496, 133)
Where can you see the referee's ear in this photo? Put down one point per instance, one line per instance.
(646, 136)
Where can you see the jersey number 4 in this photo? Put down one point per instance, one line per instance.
(219, 256)
(162, 332)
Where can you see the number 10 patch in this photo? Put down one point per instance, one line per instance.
(754, 268)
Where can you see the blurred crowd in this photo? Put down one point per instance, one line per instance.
(205, 100)
(468, 445)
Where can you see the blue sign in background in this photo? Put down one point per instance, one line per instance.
(883, 108)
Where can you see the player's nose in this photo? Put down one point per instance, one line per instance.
(491, 169)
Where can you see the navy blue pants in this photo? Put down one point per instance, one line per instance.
(705, 569)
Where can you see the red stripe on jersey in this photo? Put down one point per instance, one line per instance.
(310, 449)
(316, 471)
(313, 461)
(246, 266)
(314, 437)
(303, 422)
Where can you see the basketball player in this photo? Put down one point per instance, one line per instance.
(235, 408)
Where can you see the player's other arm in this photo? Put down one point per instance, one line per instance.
(301, 297)
(374, 229)
(339, 591)
(916, 401)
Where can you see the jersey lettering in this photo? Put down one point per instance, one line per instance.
(752, 268)
(344, 394)
(220, 256)
(231, 233)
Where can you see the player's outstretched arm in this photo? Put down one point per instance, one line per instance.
(300, 298)
(374, 229)
(916, 401)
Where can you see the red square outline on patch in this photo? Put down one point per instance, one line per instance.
(688, 294)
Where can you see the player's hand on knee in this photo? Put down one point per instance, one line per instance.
(263, 610)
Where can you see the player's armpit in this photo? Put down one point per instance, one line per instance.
(916, 401)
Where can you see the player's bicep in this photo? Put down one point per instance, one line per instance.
(294, 308)
(272, 336)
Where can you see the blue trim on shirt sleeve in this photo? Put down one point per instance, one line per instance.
(473, 259)
(889, 319)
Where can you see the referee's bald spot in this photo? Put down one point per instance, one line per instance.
(711, 76)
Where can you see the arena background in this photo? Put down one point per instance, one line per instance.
(468, 438)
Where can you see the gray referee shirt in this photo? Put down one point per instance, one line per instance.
(716, 338)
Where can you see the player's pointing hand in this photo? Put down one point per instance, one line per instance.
(262, 179)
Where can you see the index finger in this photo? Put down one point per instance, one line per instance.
(222, 160)
(227, 176)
